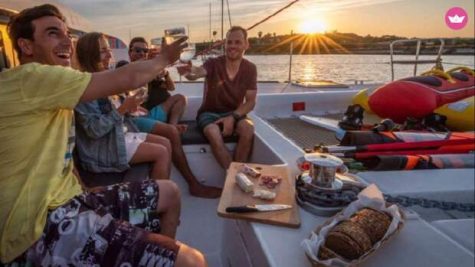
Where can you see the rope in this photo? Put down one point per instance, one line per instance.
(220, 42)
(275, 13)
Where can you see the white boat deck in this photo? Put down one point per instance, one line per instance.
(430, 237)
(200, 227)
(195, 89)
(418, 244)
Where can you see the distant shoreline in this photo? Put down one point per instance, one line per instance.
(334, 43)
(361, 53)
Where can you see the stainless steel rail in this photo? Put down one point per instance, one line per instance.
(437, 61)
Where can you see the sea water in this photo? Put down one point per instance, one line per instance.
(343, 68)
(346, 68)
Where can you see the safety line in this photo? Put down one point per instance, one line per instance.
(220, 42)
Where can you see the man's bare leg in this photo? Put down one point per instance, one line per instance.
(169, 207)
(179, 159)
(189, 257)
(245, 131)
(215, 139)
(175, 106)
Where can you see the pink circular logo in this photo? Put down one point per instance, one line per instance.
(456, 18)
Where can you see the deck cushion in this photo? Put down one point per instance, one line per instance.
(136, 173)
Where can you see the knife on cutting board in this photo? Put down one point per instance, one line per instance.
(258, 208)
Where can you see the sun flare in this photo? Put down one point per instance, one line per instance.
(312, 26)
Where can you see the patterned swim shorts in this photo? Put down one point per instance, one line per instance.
(114, 226)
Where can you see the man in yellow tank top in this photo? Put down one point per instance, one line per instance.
(45, 217)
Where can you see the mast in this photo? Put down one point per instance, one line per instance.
(188, 30)
(222, 19)
(210, 21)
(222, 24)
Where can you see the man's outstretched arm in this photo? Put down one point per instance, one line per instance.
(132, 75)
(192, 72)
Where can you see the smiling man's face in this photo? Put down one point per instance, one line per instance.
(51, 42)
(235, 45)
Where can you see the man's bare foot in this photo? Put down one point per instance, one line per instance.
(203, 191)
(181, 128)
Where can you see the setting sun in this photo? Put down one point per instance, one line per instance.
(312, 26)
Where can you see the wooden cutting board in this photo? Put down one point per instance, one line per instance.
(233, 196)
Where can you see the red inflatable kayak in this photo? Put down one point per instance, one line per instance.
(419, 96)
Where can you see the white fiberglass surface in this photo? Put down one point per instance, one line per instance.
(200, 226)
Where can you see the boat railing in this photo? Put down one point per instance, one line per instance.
(437, 61)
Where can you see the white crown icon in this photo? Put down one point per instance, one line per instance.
(456, 19)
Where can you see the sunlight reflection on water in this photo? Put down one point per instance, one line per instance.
(341, 68)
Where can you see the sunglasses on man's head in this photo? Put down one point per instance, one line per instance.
(139, 49)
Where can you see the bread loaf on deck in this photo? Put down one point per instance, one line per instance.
(352, 238)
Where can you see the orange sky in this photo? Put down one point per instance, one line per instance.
(148, 18)
(417, 18)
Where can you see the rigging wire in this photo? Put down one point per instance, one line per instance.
(275, 13)
(229, 14)
(220, 42)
